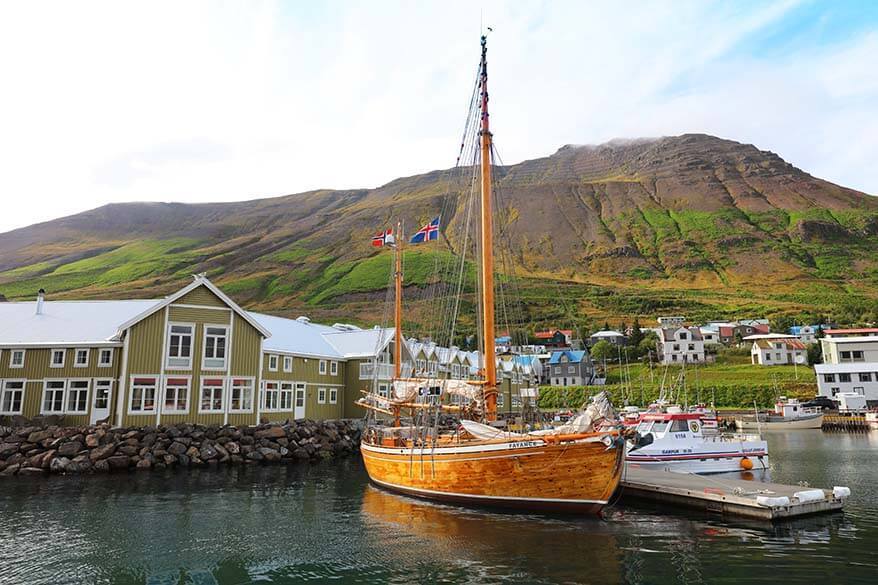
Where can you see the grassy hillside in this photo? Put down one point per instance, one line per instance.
(691, 225)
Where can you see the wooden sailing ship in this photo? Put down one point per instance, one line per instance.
(414, 451)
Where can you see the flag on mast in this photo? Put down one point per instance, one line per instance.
(427, 233)
(384, 238)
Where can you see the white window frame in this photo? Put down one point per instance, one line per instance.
(69, 392)
(251, 383)
(109, 363)
(4, 389)
(204, 356)
(76, 351)
(333, 395)
(12, 354)
(288, 363)
(155, 396)
(384, 390)
(287, 390)
(272, 357)
(46, 383)
(52, 363)
(222, 390)
(333, 368)
(94, 394)
(168, 357)
(188, 395)
(321, 396)
(270, 405)
(321, 368)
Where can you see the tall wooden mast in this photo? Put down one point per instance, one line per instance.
(397, 309)
(487, 263)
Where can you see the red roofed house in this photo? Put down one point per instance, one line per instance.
(778, 352)
(555, 337)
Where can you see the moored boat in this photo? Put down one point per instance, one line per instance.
(410, 447)
(787, 415)
(679, 442)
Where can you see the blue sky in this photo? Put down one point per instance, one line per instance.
(110, 101)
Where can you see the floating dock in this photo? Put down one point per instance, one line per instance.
(729, 496)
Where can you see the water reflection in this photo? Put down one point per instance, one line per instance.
(326, 523)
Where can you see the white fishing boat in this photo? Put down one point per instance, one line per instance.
(788, 415)
(676, 441)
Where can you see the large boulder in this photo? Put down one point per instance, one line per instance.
(70, 449)
(118, 461)
(272, 432)
(37, 436)
(102, 452)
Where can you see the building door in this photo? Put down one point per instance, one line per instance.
(101, 400)
(299, 411)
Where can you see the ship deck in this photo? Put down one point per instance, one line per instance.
(721, 495)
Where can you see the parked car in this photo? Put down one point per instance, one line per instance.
(823, 402)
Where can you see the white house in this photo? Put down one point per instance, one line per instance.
(710, 335)
(778, 351)
(851, 363)
(610, 336)
(672, 322)
(683, 344)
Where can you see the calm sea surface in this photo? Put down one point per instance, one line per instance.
(325, 523)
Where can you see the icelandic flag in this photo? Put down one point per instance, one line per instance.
(427, 233)
(384, 238)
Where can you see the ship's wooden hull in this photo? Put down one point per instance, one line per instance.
(577, 477)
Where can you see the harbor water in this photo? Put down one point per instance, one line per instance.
(324, 523)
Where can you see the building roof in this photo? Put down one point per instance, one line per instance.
(790, 343)
(768, 336)
(198, 280)
(298, 336)
(66, 322)
(573, 356)
(360, 344)
(846, 368)
(606, 334)
(852, 339)
(668, 334)
(550, 334)
(851, 331)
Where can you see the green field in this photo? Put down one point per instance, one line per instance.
(729, 383)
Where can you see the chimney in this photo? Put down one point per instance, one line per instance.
(41, 295)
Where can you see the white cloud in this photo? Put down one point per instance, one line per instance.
(189, 101)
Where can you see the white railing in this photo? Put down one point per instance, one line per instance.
(368, 371)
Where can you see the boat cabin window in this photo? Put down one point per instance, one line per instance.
(660, 426)
(679, 426)
(644, 427)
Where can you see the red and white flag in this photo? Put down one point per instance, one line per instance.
(383, 238)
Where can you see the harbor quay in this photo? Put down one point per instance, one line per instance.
(35, 450)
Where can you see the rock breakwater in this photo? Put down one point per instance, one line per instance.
(33, 450)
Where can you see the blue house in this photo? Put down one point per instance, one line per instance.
(570, 368)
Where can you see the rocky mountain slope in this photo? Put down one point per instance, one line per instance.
(692, 222)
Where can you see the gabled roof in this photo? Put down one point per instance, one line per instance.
(768, 343)
(669, 335)
(573, 356)
(199, 280)
(66, 322)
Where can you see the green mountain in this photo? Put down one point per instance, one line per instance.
(691, 224)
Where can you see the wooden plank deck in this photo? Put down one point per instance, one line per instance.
(721, 494)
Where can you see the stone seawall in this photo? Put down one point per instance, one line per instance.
(32, 450)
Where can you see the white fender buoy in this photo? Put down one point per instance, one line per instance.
(810, 496)
(840, 492)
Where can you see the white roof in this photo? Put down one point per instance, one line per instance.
(846, 368)
(608, 333)
(769, 336)
(66, 322)
(857, 339)
(296, 336)
(359, 344)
